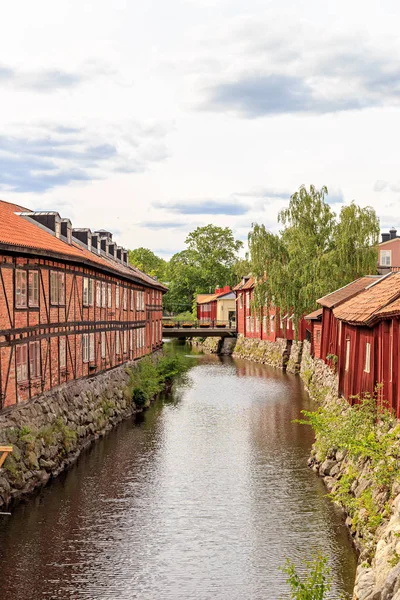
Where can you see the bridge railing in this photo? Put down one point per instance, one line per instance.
(171, 323)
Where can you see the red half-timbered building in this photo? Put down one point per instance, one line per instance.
(70, 304)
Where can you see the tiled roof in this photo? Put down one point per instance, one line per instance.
(391, 309)
(241, 285)
(23, 233)
(249, 284)
(315, 315)
(367, 306)
(204, 298)
(348, 291)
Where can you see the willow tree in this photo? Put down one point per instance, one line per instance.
(315, 252)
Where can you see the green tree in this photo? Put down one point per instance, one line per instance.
(145, 260)
(315, 253)
(313, 582)
(207, 262)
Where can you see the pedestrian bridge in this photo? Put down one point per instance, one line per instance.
(180, 329)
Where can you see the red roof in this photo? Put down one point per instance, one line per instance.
(348, 291)
(243, 284)
(20, 232)
(315, 315)
(367, 306)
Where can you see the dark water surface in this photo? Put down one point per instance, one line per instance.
(202, 500)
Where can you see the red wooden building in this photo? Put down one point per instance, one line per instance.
(368, 342)
(270, 325)
(207, 304)
(70, 304)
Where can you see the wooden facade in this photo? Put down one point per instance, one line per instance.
(66, 313)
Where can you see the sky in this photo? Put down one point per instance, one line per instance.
(152, 118)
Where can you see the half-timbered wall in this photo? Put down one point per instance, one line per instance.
(61, 321)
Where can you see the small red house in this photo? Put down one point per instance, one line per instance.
(207, 304)
(368, 340)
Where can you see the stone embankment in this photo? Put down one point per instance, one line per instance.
(215, 345)
(49, 433)
(374, 523)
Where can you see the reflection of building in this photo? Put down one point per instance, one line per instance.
(220, 306)
(71, 305)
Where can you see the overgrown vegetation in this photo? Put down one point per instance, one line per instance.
(315, 252)
(368, 435)
(312, 582)
(150, 377)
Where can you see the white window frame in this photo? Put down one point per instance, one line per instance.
(34, 360)
(21, 357)
(98, 294)
(103, 294)
(272, 323)
(87, 291)
(385, 258)
(117, 296)
(348, 349)
(57, 288)
(92, 349)
(367, 366)
(125, 298)
(109, 295)
(21, 294)
(33, 288)
(62, 352)
(117, 344)
(131, 340)
(125, 342)
(132, 300)
(103, 344)
(85, 347)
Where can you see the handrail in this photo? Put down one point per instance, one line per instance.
(4, 452)
(171, 323)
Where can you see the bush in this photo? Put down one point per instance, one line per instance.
(313, 584)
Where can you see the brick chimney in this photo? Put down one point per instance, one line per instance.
(393, 233)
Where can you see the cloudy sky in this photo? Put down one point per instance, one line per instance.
(151, 118)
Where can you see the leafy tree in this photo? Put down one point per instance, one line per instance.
(145, 260)
(315, 252)
(208, 262)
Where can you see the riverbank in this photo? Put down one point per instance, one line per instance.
(49, 433)
(370, 502)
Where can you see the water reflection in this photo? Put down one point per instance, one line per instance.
(201, 500)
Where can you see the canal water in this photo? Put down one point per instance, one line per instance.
(203, 499)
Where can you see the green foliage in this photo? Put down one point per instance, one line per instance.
(207, 262)
(145, 260)
(150, 377)
(315, 253)
(313, 582)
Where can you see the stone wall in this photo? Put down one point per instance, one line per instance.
(215, 345)
(49, 432)
(269, 353)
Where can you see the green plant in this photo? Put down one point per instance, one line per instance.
(313, 582)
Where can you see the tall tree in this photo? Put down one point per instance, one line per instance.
(145, 260)
(315, 252)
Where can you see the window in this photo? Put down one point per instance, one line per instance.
(85, 347)
(241, 301)
(386, 258)
(318, 336)
(257, 325)
(117, 296)
(20, 289)
(103, 344)
(98, 293)
(109, 294)
(264, 323)
(92, 355)
(87, 291)
(57, 287)
(272, 323)
(347, 364)
(132, 300)
(62, 353)
(117, 344)
(125, 298)
(34, 359)
(247, 299)
(131, 340)
(125, 342)
(103, 294)
(33, 288)
(22, 362)
(367, 367)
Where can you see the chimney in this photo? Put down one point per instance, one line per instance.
(66, 230)
(393, 233)
(84, 236)
(385, 237)
(50, 220)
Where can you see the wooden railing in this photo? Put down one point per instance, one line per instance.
(171, 323)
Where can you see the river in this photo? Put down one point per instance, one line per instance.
(201, 498)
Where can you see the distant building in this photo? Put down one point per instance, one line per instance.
(389, 252)
(220, 306)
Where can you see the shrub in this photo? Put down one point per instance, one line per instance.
(313, 583)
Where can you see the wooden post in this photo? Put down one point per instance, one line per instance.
(4, 452)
